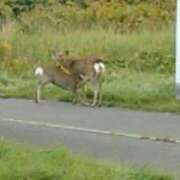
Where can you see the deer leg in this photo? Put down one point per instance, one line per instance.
(83, 98)
(100, 94)
(38, 91)
(76, 96)
(96, 93)
(85, 80)
(95, 98)
(37, 94)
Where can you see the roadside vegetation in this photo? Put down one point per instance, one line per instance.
(18, 162)
(136, 39)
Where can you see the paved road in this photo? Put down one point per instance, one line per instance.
(83, 129)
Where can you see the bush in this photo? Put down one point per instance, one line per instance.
(96, 29)
(17, 66)
(5, 51)
(155, 60)
(19, 6)
(5, 13)
(122, 16)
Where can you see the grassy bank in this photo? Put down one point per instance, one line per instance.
(140, 67)
(147, 51)
(17, 162)
(149, 91)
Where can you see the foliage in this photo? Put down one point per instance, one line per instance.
(19, 6)
(129, 89)
(125, 15)
(143, 61)
(5, 13)
(147, 52)
(134, 35)
(5, 51)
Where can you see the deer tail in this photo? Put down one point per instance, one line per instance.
(39, 71)
(99, 68)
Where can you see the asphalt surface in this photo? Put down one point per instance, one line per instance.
(52, 124)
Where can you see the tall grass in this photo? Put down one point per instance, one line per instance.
(139, 65)
(147, 51)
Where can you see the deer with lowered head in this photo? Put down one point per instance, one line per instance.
(89, 68)
(72, 74)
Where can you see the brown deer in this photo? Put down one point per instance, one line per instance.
(52, 74)
(71, 77)
(89, 69)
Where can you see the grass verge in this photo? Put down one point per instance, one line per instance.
(17, 162)
(147, 91)
(148, 51)
(140, 66)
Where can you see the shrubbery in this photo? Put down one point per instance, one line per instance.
(124, 15)
(38, 27)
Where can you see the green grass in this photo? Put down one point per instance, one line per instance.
(140, 67)
(19, 162)
(128, 89)
(148, 51)
(142, 90)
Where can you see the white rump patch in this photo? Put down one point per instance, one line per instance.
(39, 71)
(99, 68)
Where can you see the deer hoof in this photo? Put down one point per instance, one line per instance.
(39, 101)
(74, 101)
(93, 105)
(36, 101)
(84, 103)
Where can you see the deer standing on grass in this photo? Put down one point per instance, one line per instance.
(52, 74)
(71, 76)
(90, 69)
